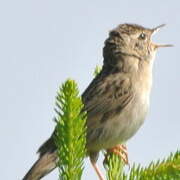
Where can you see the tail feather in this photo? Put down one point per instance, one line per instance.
(44, 165)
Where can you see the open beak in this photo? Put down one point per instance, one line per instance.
(154, 31)
(162, 45)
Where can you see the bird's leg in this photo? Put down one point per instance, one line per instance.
(120, 150)
(97, 170)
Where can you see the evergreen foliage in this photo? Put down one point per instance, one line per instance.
(114, 166)
(167, 169)
(70, 134)
(97, 70)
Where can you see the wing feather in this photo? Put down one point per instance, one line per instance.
(110, 94)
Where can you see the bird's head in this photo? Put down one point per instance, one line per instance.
(132, 40)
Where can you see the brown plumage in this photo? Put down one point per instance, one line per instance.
(117, 100)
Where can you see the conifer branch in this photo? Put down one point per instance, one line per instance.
(70, 134)
(167, 169)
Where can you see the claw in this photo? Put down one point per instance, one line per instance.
(120, 150)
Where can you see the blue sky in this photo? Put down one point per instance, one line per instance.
(42, 43)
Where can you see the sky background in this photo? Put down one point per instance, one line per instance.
(44, 42)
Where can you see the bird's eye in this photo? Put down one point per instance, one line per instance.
(142, 36)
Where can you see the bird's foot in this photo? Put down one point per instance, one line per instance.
(120, 150)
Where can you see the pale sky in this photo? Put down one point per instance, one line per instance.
(42, 43)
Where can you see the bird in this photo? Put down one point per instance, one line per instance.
(116, 101)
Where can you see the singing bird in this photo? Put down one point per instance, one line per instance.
(116, 101)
